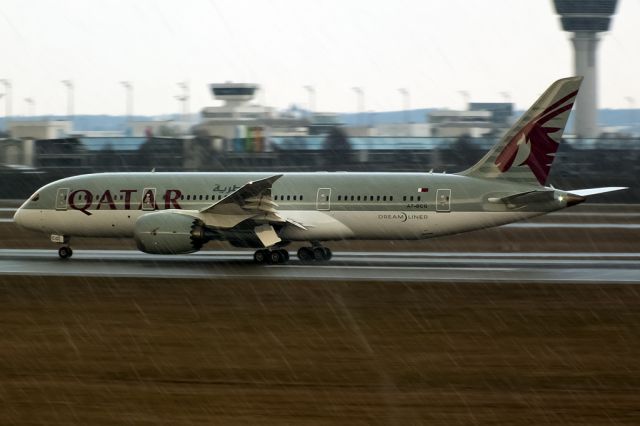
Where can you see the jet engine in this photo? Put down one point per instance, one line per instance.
(169, 233)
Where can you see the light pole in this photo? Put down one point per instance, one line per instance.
(359, 91)
(465, 95)
(31, 106)
(69, 85)
(128, 87)
(7, 92)
(632, 102)
(312, 98)
(184, 99)
(406, 103)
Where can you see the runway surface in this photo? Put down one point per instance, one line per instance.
(541, 267)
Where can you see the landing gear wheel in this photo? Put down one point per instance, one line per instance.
(271, 256)
(327, 253)
(285, 255)
(319, 254)
(65, 252)
(260, 256)
(276, 257)
(305, 254)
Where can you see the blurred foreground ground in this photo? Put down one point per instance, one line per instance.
(102, 351)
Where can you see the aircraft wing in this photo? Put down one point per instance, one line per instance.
(252, 201)
(252, 197)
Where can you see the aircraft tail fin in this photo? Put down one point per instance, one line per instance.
(525, 153)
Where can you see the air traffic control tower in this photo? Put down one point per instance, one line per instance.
(586, 18)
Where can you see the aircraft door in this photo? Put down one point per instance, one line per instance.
(149, 199)
(443, 200)
(323, 201)
(61, 198)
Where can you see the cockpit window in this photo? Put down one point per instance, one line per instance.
(35, 197)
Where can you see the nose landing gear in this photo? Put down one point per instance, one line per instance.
(65, 251)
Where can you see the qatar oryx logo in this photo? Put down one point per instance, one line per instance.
(533, 145)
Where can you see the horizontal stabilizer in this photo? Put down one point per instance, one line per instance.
(524, 198)
(594, 191)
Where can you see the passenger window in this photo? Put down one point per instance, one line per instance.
(358, 198)
(411, 198)
(288, 197)
(384, 198)
(295, 197)
(352, 198)
(378, 198)
(301, 198)
(391, 198)
(339, 197)
(418, 198)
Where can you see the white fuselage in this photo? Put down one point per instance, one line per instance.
(311, 206)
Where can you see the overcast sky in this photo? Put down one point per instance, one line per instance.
(492, 49)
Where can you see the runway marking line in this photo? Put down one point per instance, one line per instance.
(443, 268)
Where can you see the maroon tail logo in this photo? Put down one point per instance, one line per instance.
(537, 137)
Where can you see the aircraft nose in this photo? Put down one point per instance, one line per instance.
(18, 217)
(24, 220)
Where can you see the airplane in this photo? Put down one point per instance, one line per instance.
(177, 213)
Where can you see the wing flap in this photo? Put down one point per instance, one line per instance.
(267, 235)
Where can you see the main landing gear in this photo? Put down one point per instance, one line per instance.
(316, 253)
(271, 256)
(65, 251)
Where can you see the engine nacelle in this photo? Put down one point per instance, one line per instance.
(169, 233)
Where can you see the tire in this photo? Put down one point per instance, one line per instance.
(327, 253)
(305, 254)
(65, 252)
(285, 255)
(319, 254)
(260, 256)
(275, 257)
